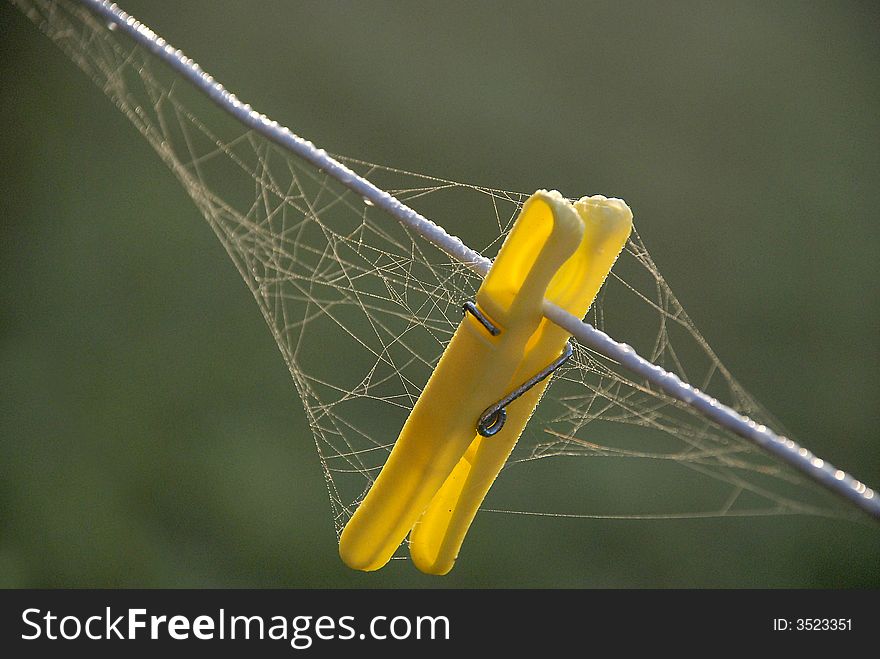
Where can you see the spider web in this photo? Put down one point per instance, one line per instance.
(361, 311)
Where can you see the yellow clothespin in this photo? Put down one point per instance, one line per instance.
(487, 383)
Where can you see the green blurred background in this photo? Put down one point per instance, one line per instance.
(149, 431)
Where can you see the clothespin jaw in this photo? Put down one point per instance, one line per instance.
(440, 467)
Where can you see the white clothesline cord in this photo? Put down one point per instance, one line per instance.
(783, 448)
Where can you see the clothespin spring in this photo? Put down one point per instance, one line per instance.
(471, 308)
(492, 419)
